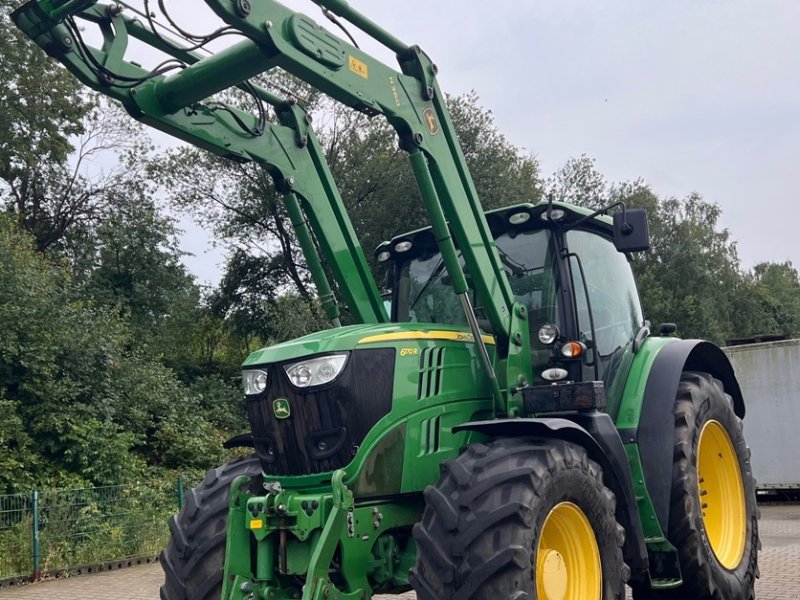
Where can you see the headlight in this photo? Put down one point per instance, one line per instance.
(254, 381)
(316, 371)
(548, 334)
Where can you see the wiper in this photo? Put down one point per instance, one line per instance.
(517, 268)
(437, 270)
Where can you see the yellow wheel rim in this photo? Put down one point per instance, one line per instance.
(567, 557)
(721, 494)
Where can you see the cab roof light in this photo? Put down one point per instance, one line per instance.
(554, 214)
(518, 218)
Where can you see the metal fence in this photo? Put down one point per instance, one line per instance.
(59, 529)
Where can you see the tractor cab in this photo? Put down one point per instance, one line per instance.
(584, 313)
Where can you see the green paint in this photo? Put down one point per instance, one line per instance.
(237, 562)
(647, 513)
(658, 545)
(314, 265)
(630, 406)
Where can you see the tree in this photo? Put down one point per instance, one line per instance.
(50, 131)
(131, 261)
(691, 274)
(770, 301)
(578, 182)
(85, 400)
(504, 174)
(56, 357)
(41, 105)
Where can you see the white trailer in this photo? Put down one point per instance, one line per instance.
(769, 375)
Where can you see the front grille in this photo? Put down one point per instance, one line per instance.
(327, 423)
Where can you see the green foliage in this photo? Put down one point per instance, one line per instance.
(770, 301)
(84, 400)
(104, 334)
(19, 461)
(131, 262)
(85, 526)
(503, 173)
(41, 105)
(691, 274)
(578, 182)
(16, 544)
(93, 330)
(49, 358)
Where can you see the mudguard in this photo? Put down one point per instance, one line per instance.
(594, 431)
(655, 434)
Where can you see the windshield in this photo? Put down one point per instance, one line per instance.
(424, 292)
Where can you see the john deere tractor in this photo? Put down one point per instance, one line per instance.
(508, 428)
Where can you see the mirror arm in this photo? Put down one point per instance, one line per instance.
(626, 227)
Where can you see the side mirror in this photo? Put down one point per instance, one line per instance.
(631, 233)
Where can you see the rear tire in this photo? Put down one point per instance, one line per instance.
(505, 514)
(195, 555)
(716, 533)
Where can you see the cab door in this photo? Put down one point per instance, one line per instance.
(607, 308)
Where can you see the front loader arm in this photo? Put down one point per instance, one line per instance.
(415, 107)
(410, 99)
(288, 150)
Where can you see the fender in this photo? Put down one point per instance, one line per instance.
(655, 433)
(595, 432)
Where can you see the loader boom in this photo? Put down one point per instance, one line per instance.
(177, 102)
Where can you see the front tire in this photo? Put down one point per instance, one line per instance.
(713, 520)
(519, 520)
(195, 555)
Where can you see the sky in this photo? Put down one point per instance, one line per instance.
(689, 95)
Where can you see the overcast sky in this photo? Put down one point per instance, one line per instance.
(690, 95)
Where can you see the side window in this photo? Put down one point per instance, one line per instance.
(605, 297)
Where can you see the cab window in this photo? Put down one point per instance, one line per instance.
(606, 298)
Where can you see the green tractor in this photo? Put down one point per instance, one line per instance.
(500, 423)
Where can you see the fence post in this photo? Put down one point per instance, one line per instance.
(37, 567)
(180, 492)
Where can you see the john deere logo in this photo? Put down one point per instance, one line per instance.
(281, 408)
(430, 120)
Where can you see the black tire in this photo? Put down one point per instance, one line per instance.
(702, 399)
(194, 557)
(482, 521)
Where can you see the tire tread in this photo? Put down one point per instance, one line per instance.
(193, 559)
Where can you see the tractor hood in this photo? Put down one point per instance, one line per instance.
(353, 336)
